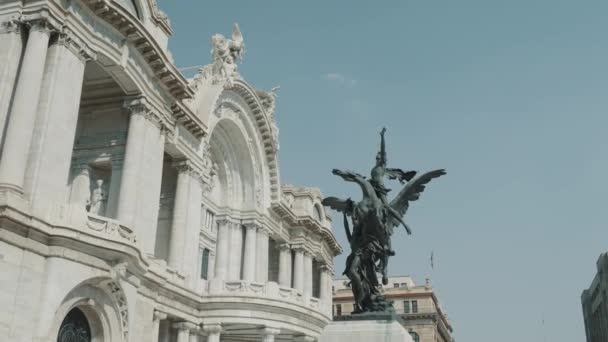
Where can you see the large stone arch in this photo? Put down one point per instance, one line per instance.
(241, 107)
(236, 182)
(104, 305)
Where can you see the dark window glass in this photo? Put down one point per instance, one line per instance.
(396, 285)
(74, 328)
(406, 307)
(414, 306)
(338, 310)
(205, 264)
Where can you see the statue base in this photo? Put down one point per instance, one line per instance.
(365, 327)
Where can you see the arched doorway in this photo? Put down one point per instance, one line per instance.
(75, 327)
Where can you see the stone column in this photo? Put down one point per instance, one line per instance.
(222, 258)
(194, 335)
(261, 269)
(158, 316)
(304, 338)
(129, 185)
(179, 227)
(114, 190)
(298, 271)
(325, 291)
(236, 244)
(11, 40)
(268, 334)
(183, 331)
(55, 128)
(151, 171)
(23, 112)
(193, 226)
(284, 265)
(213, 332)
(249, 260)
(307, 274)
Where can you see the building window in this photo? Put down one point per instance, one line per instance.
(396, 285)
(75, 327)
(205, 264)
(415, 336)
(338, 309)
(406, 307)
(208, 220)
(414, 306)
(403, 284)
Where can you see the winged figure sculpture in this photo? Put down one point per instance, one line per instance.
(373, 221)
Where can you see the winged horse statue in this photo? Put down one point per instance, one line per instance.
(373, 222)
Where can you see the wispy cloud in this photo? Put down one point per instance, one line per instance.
(340, 79)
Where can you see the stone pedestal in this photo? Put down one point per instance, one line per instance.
(365, 328)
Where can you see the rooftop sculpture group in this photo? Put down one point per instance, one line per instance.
(373, 220)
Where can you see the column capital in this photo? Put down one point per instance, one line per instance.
(43, 25)
(11, 26)
(264, 230)
(212, 328)
(182, 326)
(139, 105)
(187, 166)
(325, 267)
(284, 246)
(159, 316)
(223, 222)
(69, 39)
(271, 331)
(251, 225)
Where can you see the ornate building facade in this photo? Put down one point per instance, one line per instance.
(138, 205)
(417, 307)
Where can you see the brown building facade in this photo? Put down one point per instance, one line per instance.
(418, 307)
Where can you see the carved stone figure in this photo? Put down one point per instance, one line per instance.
(373, 220)
(99, 198)
(226, 52)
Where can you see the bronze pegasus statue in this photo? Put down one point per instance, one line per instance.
(373, 221)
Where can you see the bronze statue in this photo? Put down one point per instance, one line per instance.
(373, 220)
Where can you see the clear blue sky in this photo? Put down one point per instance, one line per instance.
(509, 96)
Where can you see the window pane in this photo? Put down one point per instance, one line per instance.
(338, 310)
(205, 264)
(406, 307)
(414, 306)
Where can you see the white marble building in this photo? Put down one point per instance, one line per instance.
(137, 205)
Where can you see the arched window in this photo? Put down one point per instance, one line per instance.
(130, 6)
(74, 328)
(415, 336)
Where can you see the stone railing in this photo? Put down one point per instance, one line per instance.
(270, 290)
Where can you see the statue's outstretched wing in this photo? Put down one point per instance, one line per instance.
(411, 192)
(400, 175)
(343, 206)
(237, 36)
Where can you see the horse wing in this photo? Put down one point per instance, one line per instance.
(411, 192)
